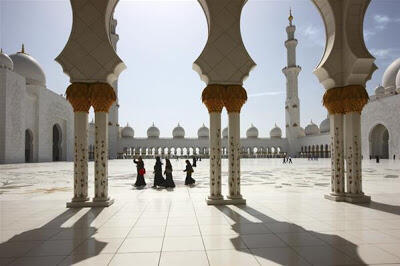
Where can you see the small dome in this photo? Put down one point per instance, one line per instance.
(153, 132)
(127, 132)
(29, 68)
(302, 132)
(5, 61)
(325, 126)
(389, 77)
(225, 133)
(276, 132)
(203, 132)
(178, 132)
(379, 91)
(252, 132)
(312, 129)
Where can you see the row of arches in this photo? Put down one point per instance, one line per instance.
(56, 144)
(315, 151)
(246, 152)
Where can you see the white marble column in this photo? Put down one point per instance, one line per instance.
(81, 157)
(101, 158)
(337, 158)
(215, 157)
(352, 129)
(234, 155)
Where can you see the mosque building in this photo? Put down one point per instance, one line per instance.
(37, 125)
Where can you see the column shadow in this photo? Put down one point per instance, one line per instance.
(379, 206)
(39, 239)
(289, 256)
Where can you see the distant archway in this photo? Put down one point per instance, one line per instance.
(28, 146)
(57, 138)
(379, 142)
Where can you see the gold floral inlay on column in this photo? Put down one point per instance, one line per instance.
(78, 94)
(102, 96)
(346, 99)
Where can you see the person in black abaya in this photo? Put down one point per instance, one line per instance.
(140, 172)
(189, 170)
(169, 181)
(158, 177)
(194, 162)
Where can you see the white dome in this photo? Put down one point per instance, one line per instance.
(153, 132)
(203, 132)
(178, 132)
(5, 61)
(380, 90)
(389, 77)
(225, 133)
(127, 132)
(252, 132)
(302, 132)
(311, 129)
(325, 126)
(398, 80)
(276, 132)
(29, 68)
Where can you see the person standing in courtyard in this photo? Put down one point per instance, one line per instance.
(140, 182)
(194, 161)
(159, 180)
(169, 181)
(189, 170)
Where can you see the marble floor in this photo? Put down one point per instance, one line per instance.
(286, 220)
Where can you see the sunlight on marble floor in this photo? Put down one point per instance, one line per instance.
(286, 220)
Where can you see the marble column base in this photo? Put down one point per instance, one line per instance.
(358, 198)
(90, 204)
(335, 197)
(355, 198)
(226, 201)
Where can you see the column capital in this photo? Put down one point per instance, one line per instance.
(346, 99)
(346, 59)
(102, 96)
(234, 98)
(212, 97)
(78, 94)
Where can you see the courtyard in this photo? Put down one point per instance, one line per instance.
(286, 220)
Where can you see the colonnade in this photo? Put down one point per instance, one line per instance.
(82, 96)
(232, 97)
(90, 61)
(344, 71)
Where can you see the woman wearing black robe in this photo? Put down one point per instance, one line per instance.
(189, 170)
(158, 177)
(140, 172)
(169, 182)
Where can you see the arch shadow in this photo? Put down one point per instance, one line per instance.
(48, 239)
(280, 252)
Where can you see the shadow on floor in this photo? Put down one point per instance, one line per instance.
(393, 209)
(269, 247)
(55, 240)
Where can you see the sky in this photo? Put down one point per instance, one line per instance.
(160, 40)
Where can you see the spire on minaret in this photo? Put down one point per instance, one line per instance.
(290, 17)
(23, 49)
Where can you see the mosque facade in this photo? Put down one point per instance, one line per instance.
(36, 124)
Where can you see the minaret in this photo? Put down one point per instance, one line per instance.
(113, 127)
(292, 104)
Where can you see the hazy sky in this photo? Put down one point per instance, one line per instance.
(159, 41)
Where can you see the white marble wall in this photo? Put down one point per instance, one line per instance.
(383, 111)
(37, 109)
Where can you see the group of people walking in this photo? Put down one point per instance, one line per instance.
(159, 181)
